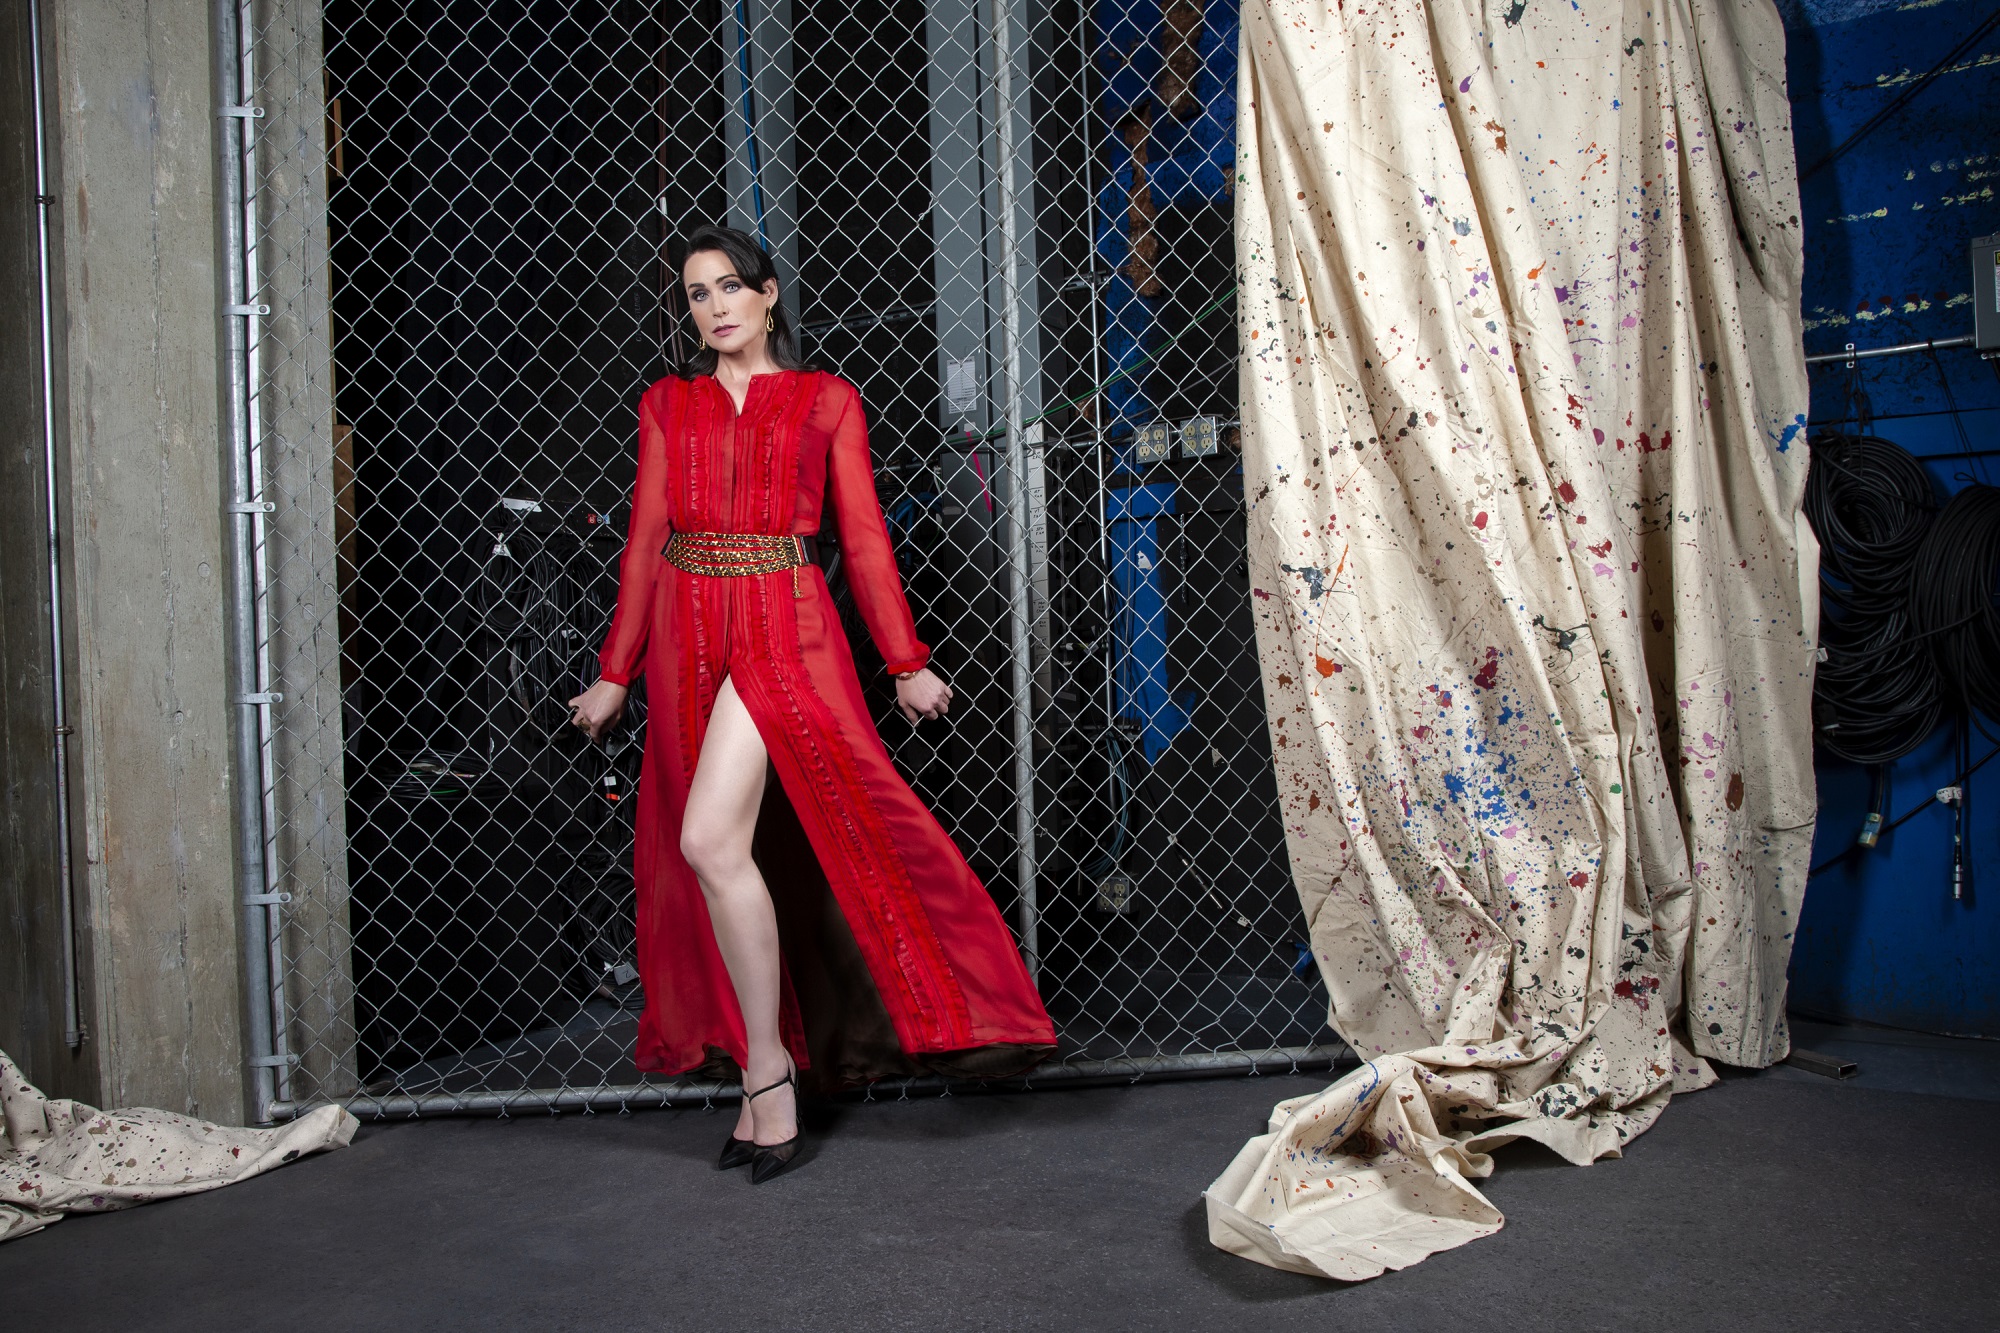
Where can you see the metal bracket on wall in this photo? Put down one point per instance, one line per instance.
(252, 507)
(248, 310)
(266, 899)
(268, 698)
(247, 112)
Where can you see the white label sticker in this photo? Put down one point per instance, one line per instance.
(961, 385)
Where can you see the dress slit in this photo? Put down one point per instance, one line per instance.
(895, 958)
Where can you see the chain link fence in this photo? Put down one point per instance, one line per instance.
(1007, 222)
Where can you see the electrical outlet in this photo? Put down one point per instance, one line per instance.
(1154, 442)
(1115, 893)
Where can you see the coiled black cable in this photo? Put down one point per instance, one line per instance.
(1870, 504)
(1877, 694)
(1955, 599)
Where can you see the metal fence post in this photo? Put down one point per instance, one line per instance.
(248, 791)
(1019, 521)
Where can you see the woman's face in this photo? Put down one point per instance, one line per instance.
(728, 312)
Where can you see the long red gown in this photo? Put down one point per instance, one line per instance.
(914, 968)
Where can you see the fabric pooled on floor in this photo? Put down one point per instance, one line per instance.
(1522, 394)
(63, 1157)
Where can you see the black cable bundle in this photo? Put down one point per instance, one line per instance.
(1955, 599)
(1870, 503)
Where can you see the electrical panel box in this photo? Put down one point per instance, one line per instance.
(1986, 292)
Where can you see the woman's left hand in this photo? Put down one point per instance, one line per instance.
(923, 695)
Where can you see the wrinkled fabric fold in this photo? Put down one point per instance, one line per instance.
(60, 1157)
(1522, 386)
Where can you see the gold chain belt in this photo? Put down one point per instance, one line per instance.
(737, 554)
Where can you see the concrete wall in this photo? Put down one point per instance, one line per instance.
(134, 128)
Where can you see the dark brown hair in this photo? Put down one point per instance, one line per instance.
(752, 265)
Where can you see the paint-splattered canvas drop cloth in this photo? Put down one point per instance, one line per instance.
(1522, 387)
(62, 1157)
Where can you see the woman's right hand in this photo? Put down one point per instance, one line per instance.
(597, 709)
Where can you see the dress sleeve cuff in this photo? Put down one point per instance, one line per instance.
(917, 663)
(615, 677)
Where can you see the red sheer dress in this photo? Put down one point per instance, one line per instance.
(896, 959)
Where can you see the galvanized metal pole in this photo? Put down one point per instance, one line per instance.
(1021, 623)
(1100, 443)
(1852, 353)
(248, 783)
(260, 569)
(72, 1019)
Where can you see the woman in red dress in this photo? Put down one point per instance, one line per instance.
(842, 932)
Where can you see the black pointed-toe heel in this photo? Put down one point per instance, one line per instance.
(735, 1152)
(776, 1159)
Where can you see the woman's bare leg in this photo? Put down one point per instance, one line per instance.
(721, 818)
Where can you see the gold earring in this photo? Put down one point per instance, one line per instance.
(770, 321)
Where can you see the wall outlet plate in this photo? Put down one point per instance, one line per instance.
(1115, 893)
(1154, 443)
(1200, 436)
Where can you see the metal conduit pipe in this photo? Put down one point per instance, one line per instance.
(1867, 354)
(72, 1019)
(1099, 447)
(691, 1092)
(260, 581)
(1021, 620)
(247, 788)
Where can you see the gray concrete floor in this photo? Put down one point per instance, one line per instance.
(1778, 1200)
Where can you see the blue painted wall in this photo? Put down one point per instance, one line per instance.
(1886, 225)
